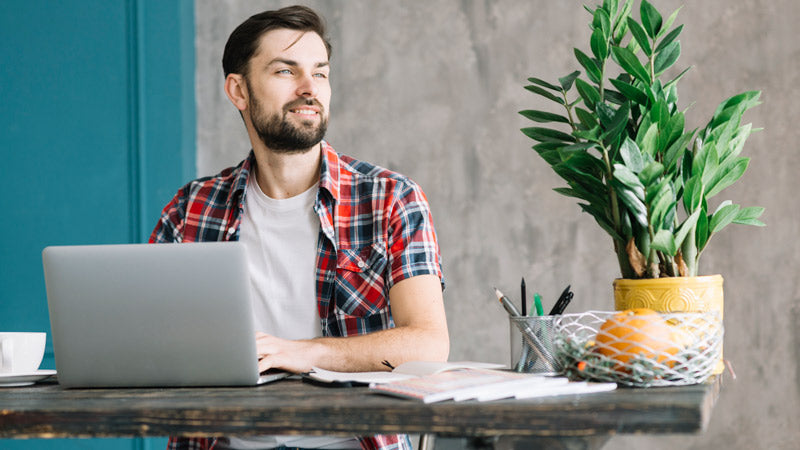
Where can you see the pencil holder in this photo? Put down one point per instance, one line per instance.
(532, 348)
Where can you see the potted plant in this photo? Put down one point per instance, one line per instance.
(620, 142)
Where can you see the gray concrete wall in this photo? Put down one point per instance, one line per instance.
(432, 89)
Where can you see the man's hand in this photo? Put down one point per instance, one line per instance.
(294, 356)
(420, 333)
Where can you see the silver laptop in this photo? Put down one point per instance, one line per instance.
(152, 315)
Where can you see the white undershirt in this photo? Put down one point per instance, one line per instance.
(280, 237)
(280, 240)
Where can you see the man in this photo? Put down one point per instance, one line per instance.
(343, 259)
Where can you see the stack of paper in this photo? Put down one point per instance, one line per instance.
(484, 385)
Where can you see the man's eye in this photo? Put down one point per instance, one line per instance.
(321, 75)
(285, 71)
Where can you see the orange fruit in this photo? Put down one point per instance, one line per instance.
(639, 332)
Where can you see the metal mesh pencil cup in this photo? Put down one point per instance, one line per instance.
(532, 348)
(664, 349)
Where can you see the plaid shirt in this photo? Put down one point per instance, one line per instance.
(375, 230)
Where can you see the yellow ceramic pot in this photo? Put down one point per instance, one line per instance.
(672, 294)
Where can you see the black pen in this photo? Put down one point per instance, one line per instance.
(524, 299)
(562, 302)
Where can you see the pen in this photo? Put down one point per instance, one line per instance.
(537, 301)
(524, 299)
(509, 307)
(562, 302)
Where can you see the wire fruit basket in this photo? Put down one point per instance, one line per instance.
(639, 348)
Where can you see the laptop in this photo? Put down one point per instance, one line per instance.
(137, 315)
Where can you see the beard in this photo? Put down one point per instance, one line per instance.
(280, 134)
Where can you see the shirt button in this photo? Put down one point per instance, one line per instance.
(231, 230)
(362, 264)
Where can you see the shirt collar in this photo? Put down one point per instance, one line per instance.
(242, 174)
(328, 176)
(329, 170)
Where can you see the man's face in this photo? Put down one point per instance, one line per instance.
(289, 91)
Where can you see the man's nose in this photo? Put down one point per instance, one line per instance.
(306, 87)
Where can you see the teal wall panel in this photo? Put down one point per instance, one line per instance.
(97, 126)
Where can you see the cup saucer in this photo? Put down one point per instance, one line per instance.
(24, 378)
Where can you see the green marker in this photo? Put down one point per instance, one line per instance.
(537, 301)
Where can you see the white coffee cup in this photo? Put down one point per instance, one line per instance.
(21, 352)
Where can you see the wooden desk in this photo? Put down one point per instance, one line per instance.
(295, 407)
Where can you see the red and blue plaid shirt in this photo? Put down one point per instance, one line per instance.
(376, 229)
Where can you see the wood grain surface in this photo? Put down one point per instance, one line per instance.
(294, 407)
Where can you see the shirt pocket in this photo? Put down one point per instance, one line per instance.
(360, 281)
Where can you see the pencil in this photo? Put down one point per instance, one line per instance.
(524, 299)
(509, 307)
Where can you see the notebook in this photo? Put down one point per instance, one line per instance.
(152, 315)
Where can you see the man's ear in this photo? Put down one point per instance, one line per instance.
(236, 90)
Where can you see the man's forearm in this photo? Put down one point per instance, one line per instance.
(367, 352)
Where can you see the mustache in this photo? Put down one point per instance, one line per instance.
(303, 102)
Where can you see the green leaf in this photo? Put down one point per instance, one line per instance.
(669, 38)
(543, 83)
(664, 241)
(685, 227)
(664, 203)
(701, 232)
(673, 131)
(614, 97)
(641, 36)
(629, 179)
(592, 134)
(548, 151)
(655, 190)
(583, 194)
(546, 94)
(599, 44)
(600, 216)
(621, 26)
(587, 118)
(628, 61)
(589, 93)
(675, 151)
(631, 155)
(631, 201)
(592, 69)
(547, 134)
(602, 21)
(649, 141)
(749, 216)
(631, 92)
(728, 176)
(675, 80)
(566, 81)
(693, 193)
(651, 19)
(730, 107)
(723, 217)
(651, 173)
(669, 22)
(543, 116)
(605, 113)
(667, 57)
(616, 125)
(611, 7)
(581, 161)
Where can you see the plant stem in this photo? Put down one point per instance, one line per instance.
(690, 254)
(569, 111)
(602, 77)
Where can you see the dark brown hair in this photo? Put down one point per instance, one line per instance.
(243, 42)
